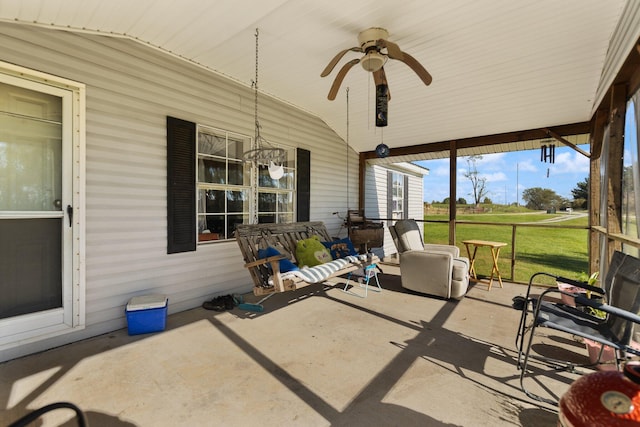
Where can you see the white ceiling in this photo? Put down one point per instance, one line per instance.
(497, 65)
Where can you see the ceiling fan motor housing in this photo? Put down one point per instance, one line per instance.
(370, 37)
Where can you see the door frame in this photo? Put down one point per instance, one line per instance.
(34, 327)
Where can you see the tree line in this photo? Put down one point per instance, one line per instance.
(536, 198)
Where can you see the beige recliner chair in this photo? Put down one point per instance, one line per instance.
(429, 268)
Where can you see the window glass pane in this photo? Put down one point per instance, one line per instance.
(214, 201)
(264, 180)
(212, 144)
(30, 150)
(238, 173)
(236, 201)
(237, 146)
(285, 202)
(288, 179)
(233, 221)
(204, 234)
(266, 218)
(267, 202)
(631, 175)
(212, 170)
(285, 218)
(216, 224)
(290, 162)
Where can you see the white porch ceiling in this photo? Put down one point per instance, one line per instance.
(497, 65)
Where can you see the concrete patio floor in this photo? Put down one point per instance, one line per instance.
(314, 357)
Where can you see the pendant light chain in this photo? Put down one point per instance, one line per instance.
(255, 87)
(348, 180)
(262, 152)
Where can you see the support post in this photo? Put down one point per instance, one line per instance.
(453, 166)
(614, 167)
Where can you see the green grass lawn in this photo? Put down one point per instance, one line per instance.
(556, 250)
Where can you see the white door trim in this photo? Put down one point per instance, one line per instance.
(37, 326)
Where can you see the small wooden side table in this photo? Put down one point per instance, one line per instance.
(495, 253)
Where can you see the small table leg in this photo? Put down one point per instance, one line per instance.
(472, 260)
(495, 253)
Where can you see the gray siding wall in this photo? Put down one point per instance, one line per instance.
(131, 89)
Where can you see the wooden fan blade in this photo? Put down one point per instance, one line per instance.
(379, 77)
(340, 77)
(393, 50)
(330, 66)
(417, 67)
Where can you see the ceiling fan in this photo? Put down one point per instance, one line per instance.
(372, 42)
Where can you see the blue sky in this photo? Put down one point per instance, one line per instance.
(504, 170)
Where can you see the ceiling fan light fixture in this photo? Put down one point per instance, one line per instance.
(275, 171)
(372, 61)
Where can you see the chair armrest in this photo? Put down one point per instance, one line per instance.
(433, 247)
(273, 260)
(437, 263)
(627, 315)
(573, 282)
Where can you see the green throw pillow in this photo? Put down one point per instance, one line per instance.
(311, 251)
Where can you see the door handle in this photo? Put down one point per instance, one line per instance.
(70, 213)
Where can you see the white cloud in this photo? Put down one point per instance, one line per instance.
(495, 177)
(571, 162)
(526, 166)
(441, 171)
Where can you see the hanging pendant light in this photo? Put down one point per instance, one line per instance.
(275, 171)
(263, 153)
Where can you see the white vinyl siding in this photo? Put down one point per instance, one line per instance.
(131, 89)
(376, 201)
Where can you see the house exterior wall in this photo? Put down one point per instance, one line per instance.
(376, 196)
(130, 90)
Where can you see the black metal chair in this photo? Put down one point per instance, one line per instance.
(622, 291)
(32, 416)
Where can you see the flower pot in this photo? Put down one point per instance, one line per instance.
(608, 355)
(566, 299)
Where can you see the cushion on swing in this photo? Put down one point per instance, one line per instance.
(285, 264)
(311, 252)
(322, 272)
(340, 248)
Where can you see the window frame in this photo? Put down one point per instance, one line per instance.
(71, 317)
(397, 180)
(184, 186)
(224, 187)
(285, 186)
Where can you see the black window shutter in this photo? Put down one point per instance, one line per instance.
(389, 194)
(303, 184)
(181, 186)
(405, 200)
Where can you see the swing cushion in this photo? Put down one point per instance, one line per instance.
(340, 248)
(285, 264)
(322, 272)
(311, 252)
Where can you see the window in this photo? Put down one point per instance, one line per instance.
(631, 175)
(223, 183)
(276, 196)
(210, 188)
(397, 197)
